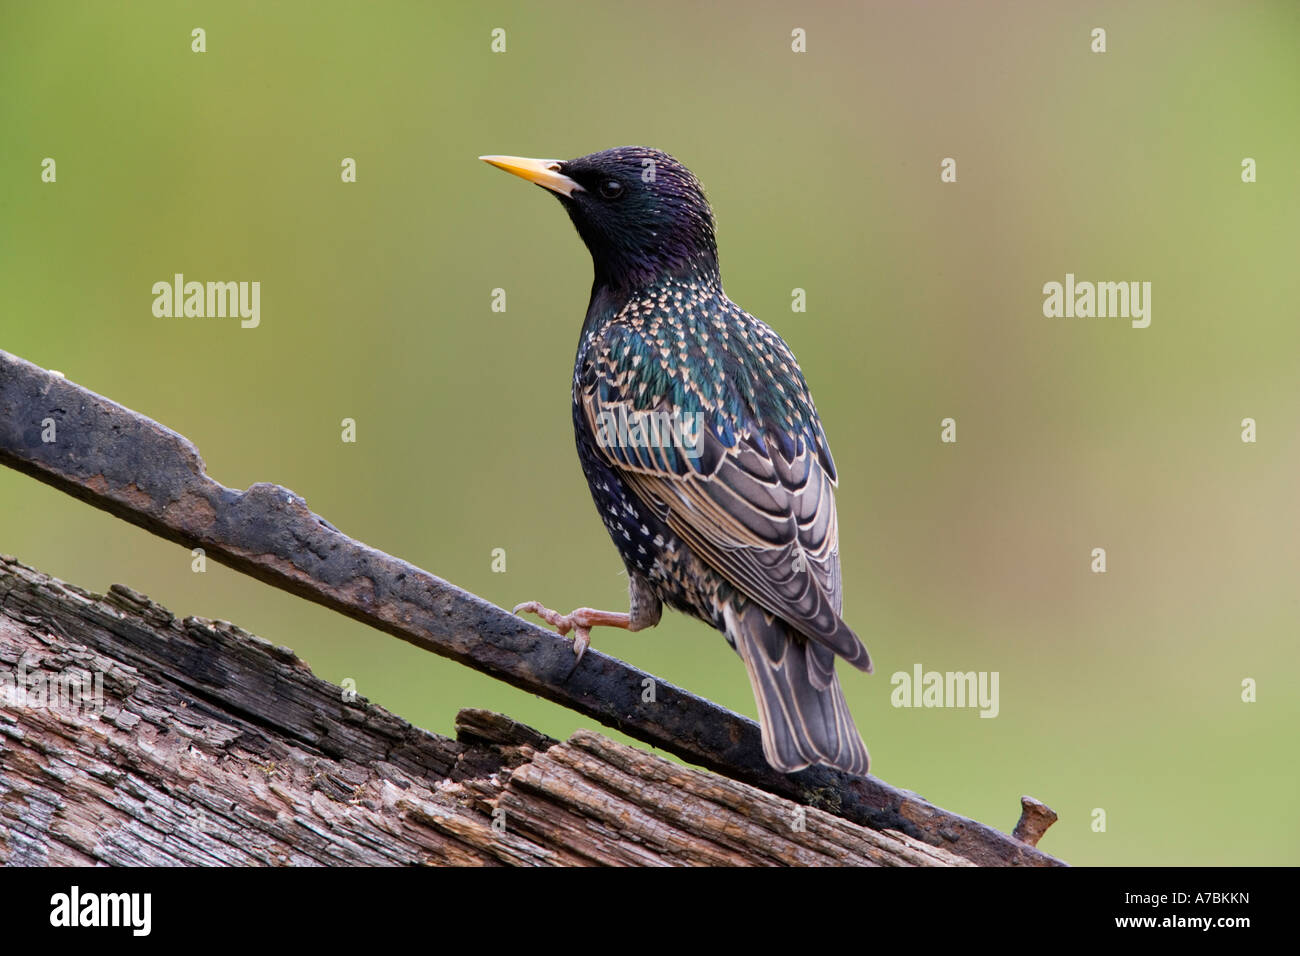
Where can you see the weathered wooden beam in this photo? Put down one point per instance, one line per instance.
(133, 467)
(193, 742)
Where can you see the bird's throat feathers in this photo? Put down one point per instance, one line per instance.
(628, 265)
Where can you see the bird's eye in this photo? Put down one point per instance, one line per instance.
(611, 189)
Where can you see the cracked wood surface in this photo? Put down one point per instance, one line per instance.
(127, 464)
(202, 744)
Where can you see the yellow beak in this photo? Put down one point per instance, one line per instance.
(543, 172)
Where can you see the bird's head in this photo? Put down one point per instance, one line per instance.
(641, 213)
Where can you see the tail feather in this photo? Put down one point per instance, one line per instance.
(804, 717)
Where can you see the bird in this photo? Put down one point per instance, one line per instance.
(704, 452)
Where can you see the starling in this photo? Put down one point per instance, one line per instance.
(703, 451)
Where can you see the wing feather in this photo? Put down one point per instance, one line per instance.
(753, 500)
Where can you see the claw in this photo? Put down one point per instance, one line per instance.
(580, 622)
(563, 623)
(581, 641)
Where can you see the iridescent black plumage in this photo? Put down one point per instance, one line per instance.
(703, 450)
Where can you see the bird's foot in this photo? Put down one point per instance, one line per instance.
(580, 621)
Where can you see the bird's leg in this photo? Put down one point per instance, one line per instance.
(580, 621)
(645, 610)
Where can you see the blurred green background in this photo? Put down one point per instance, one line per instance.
(1118, 691)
